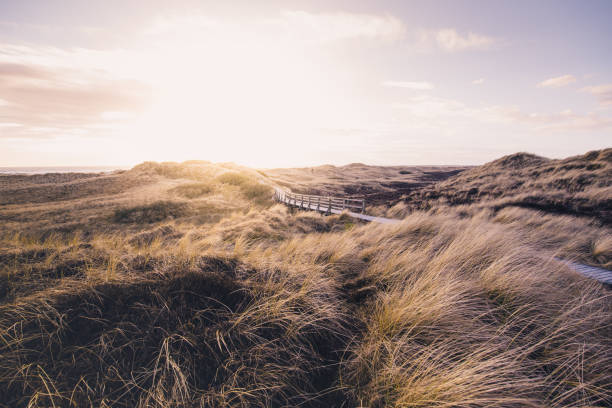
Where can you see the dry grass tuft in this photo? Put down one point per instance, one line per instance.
(193, 190)
(150, 213)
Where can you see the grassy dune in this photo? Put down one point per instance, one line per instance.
(184, 285)
(379, 184)
(577, 186)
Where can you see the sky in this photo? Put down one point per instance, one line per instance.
(299, 83)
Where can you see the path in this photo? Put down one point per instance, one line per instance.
(335, 205)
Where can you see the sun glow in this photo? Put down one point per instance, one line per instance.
(298, 83)
(235, 95)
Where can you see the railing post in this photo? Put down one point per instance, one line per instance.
(318, 203)
(363, 206)
(329, 205)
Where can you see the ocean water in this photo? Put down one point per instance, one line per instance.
(58, 169)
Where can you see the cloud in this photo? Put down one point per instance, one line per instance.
(449, 40)
(479, 81)
(57, 107)
(297, 26)
(44, 95)
(421, 86)
(564, 121)
(557, 82)
(436, 112)
(22, 71)
(602, 92)
(325, 27)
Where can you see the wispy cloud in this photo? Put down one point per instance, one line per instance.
(566, 120)
(602, 92)
(297, 26)
(436, 111)
(450, 40)
(421, 86)
(44, 96)
(479, 81)
(12, 70)
(343, 26)
(557, 82)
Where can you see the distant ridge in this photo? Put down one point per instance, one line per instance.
(579, 185)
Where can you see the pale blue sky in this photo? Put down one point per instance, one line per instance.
(290, 83)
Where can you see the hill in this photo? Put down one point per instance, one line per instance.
(578, 186)
(185, 285)
(378, 184)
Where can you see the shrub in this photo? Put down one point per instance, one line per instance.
(249, 188)
(233, 178)
(155, 212)
(193, 190)
(177, 338)
(256, 192)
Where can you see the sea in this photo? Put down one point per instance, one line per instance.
(60, 169)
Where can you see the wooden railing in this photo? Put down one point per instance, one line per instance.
(325, 204)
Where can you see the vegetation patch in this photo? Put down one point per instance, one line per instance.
(194, 337)
(223, 302)
(579, 186)
(249, 187)
(258, 193)
(234, 178)
(193, 190)
(163, 233)
(150, 213)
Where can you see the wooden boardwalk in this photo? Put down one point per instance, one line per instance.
(599, 274)
(356, 208)
(329, 205)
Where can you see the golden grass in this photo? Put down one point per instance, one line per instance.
(469, 317)
(265, 306)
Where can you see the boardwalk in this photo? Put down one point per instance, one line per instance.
(329, 205)
(599, 274)
(336, 205)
